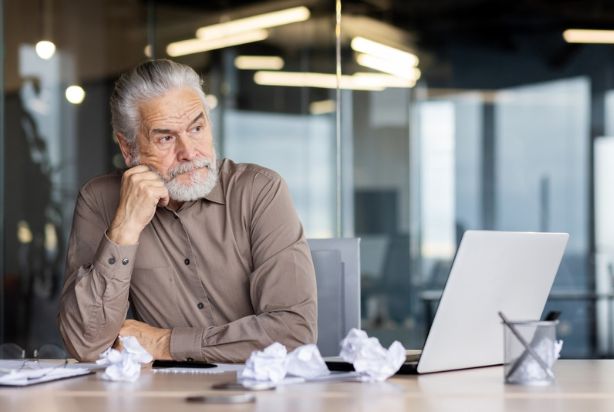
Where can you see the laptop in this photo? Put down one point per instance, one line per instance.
(511, 272)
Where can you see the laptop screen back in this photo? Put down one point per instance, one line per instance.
(510, 272)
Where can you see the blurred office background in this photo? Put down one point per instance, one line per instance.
(402, 122)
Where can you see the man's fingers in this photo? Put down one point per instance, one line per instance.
(141, 173)
(155, 181)
(165, 199)
(130, 322)
(146, 182)
(142, 191)
(136, 170)
(157, 193)
(144, 176)
(128, 327)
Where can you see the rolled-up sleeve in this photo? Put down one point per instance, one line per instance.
(282, 285)
(94, 299)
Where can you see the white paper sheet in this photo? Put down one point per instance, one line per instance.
(18, 373)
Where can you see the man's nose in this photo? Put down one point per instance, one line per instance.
(186, 149)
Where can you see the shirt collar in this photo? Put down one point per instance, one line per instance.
(216, 194)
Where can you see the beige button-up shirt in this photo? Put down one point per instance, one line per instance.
(229, 274)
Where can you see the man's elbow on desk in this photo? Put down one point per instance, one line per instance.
(83, 353)
(79, 348)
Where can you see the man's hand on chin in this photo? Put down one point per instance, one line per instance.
(156, 341)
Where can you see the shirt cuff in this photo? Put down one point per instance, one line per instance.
(186, 344)
(115, 261)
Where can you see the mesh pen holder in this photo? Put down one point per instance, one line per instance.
(530, 350)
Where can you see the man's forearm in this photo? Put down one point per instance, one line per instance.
(89, 324)
(94, 301)
(235, 341)
(123, 235)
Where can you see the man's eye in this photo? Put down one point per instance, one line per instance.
(166, 139)
(197, 129)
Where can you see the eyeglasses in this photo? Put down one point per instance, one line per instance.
(14, 358)
(48, 351)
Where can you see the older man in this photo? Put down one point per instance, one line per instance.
(210, 254)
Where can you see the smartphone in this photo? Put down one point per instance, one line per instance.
(159, 364)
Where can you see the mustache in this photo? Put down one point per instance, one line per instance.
(190, 166)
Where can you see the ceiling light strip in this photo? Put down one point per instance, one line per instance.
(261, 21)
(191, 46)
(382, 51)
(410, 73)
(589, 36)
(259, 62)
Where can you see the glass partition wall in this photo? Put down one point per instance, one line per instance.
(399, 122)
(60, 59)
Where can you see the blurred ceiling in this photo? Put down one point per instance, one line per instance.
(105, 37)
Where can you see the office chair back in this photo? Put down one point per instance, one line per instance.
(337, 266)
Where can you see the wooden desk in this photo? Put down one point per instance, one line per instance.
(582, 385)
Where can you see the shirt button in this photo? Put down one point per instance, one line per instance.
(111, 260)
(186, 261)
(200, 305)
(176, 217)
(125, 261)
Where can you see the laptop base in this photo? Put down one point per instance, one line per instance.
(408, 368)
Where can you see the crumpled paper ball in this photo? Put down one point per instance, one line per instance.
(371, 360)
(266, 365)
(306, 362)
(530, 372)
(124, 365)
(273, 364)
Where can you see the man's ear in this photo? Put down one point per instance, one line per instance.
(126, 148)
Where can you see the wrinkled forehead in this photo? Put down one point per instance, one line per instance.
(178, 107)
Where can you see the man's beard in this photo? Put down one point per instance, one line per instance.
(197, 188)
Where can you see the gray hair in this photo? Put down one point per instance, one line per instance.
(148, 80)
